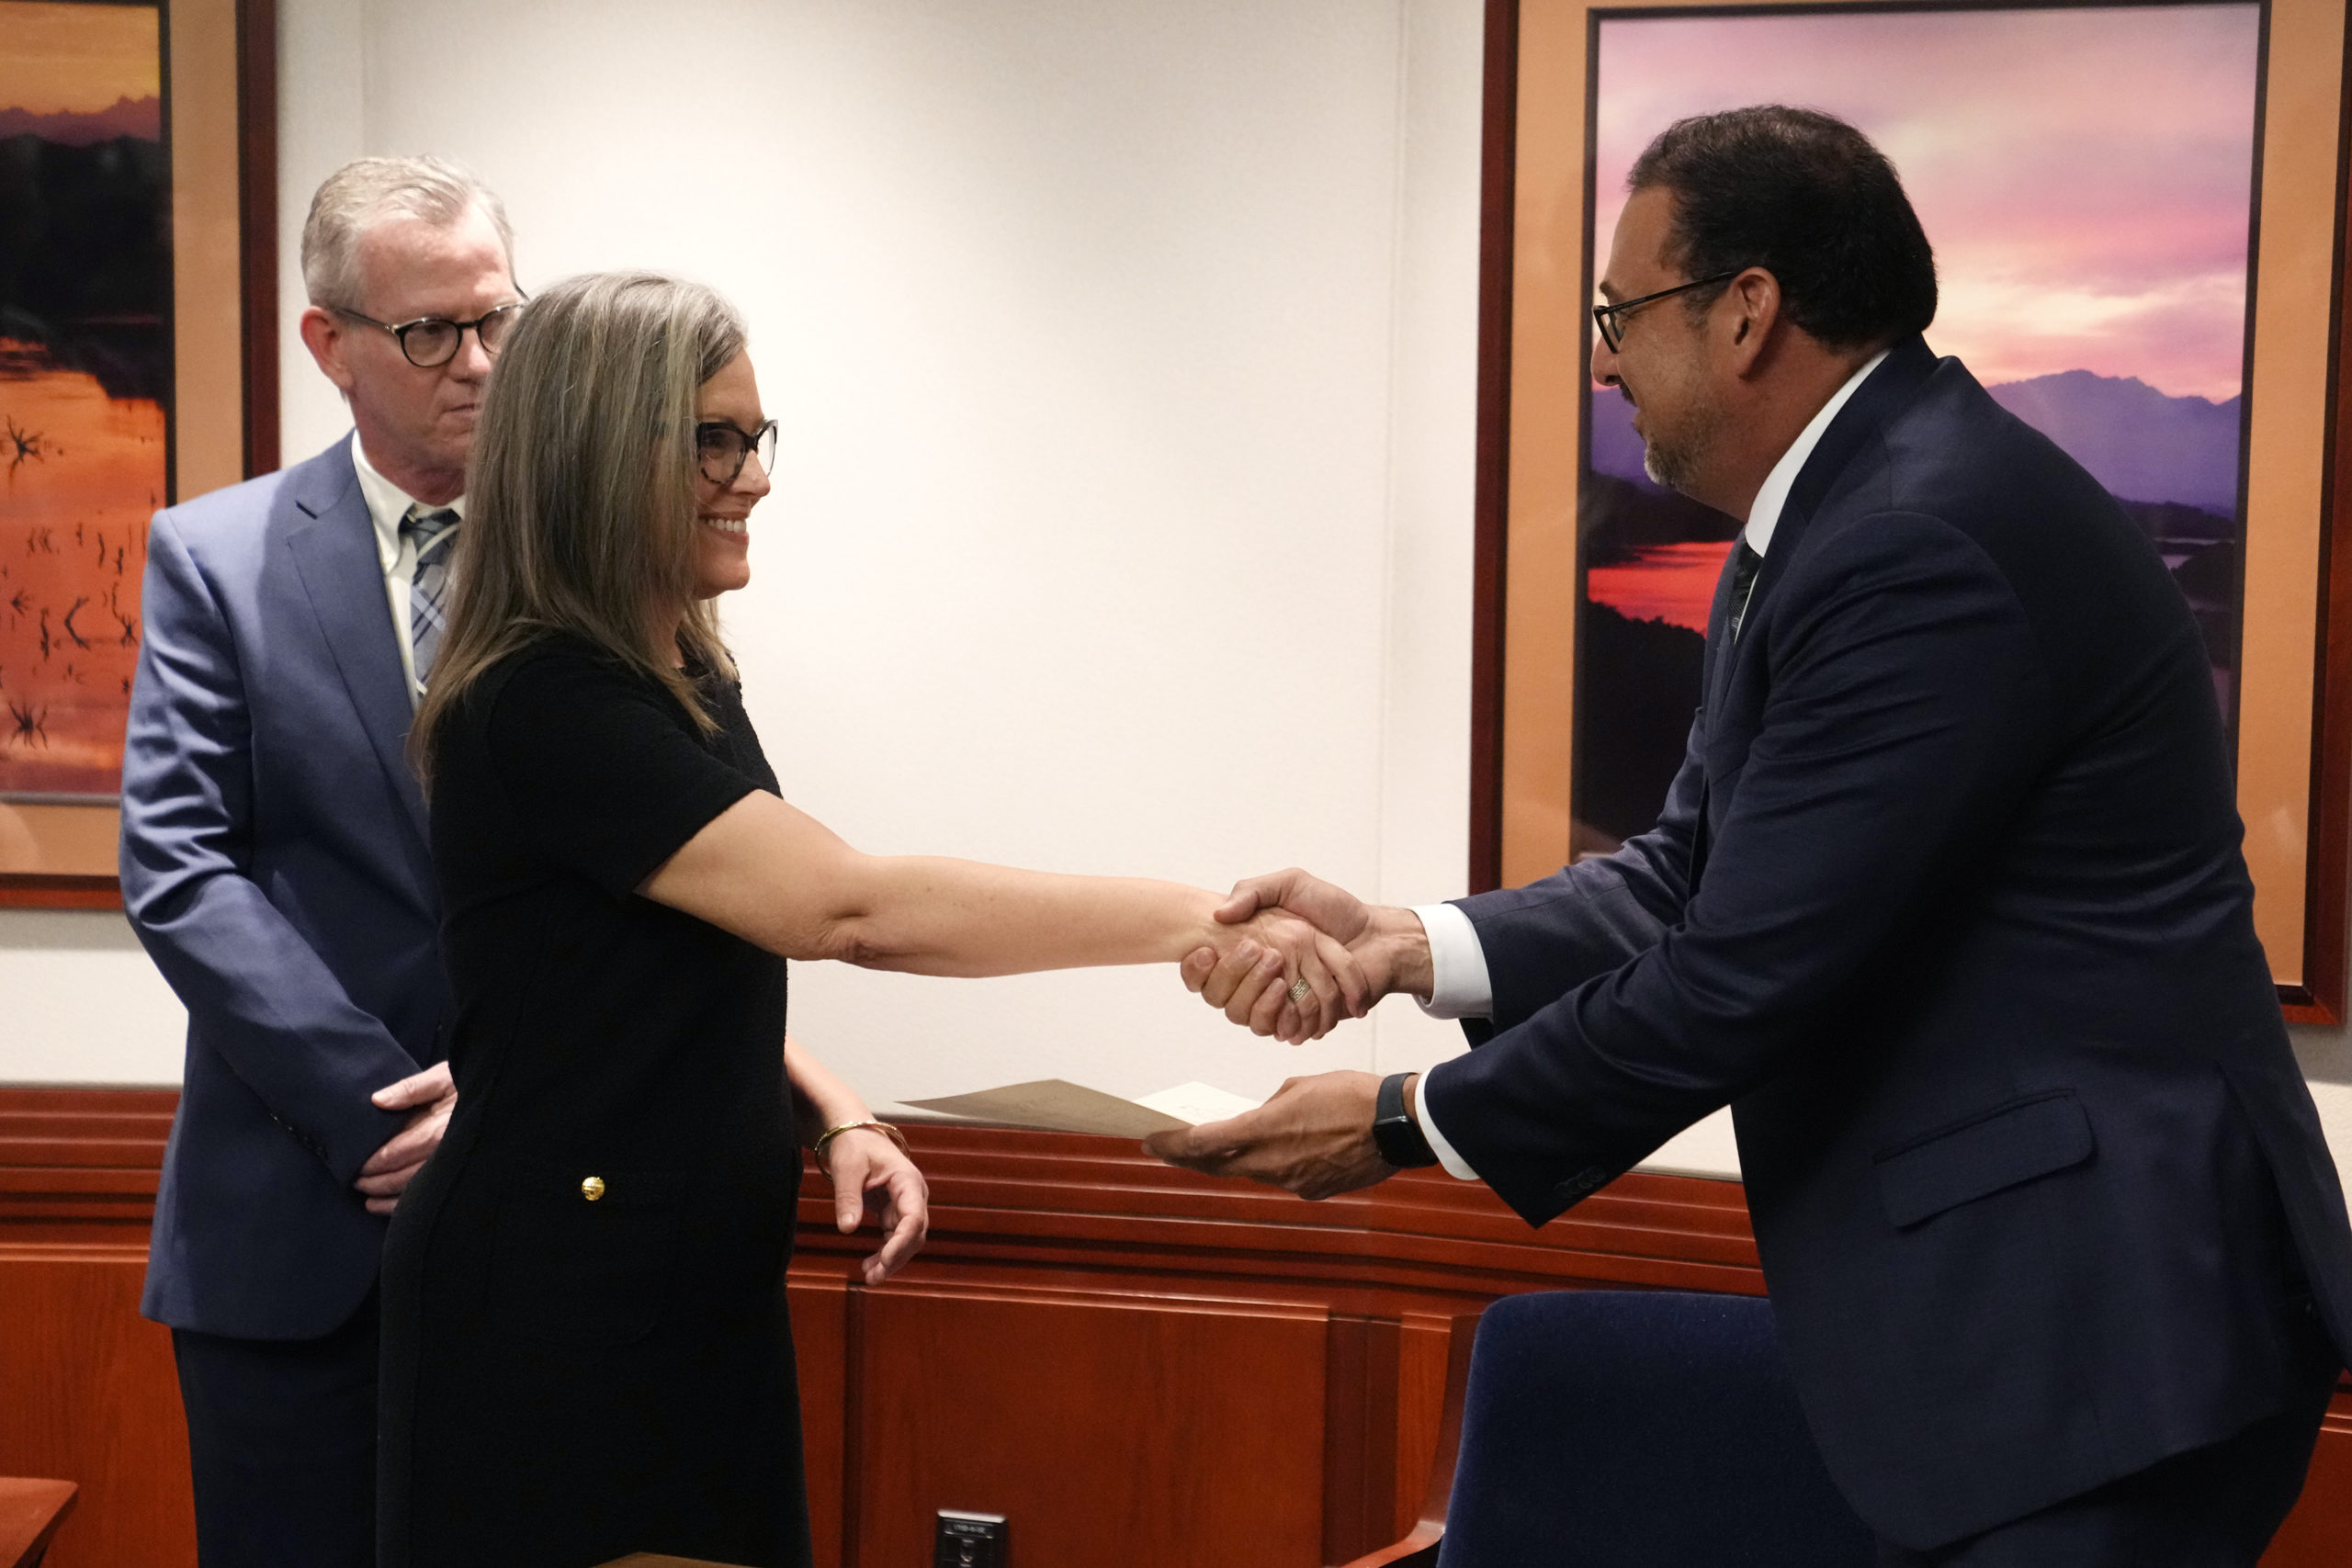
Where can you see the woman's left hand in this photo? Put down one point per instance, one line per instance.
(870, 1172)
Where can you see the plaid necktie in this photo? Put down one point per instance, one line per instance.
(433, 533)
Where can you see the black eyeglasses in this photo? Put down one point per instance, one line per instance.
(1610, 318)
(720, 448)
(432, 341)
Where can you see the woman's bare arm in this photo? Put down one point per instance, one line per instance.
(776, 876)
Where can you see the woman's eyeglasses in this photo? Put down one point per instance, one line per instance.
(721, 446)
(430, 342)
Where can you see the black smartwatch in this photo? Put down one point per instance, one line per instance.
(1394, 1131)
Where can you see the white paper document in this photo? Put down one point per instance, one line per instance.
(1198, 1102)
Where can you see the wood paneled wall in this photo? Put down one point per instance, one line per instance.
(88, 1392)
(1136, 1364)
(1140, 1365)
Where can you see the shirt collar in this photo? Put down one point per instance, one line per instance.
(388, 504)
(1765, 516)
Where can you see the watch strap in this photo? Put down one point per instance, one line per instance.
(1394, 1132)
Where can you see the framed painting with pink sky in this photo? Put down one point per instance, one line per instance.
(136, 202)
(2137, 217)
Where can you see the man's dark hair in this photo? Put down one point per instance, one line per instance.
(1806, 197)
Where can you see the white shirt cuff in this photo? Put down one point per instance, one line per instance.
(1458, 984)
(1455, 1166)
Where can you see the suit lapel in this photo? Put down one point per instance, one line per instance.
(335, 552)
(1875, 402)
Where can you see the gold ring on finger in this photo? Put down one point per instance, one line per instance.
(1300, 990)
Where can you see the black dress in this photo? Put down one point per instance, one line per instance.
(585, 1346)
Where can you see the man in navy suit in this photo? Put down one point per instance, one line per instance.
(274, 864)
(1947, 902)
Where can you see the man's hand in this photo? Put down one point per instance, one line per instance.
(1390, 945)
(428, 1097)
(1312, 1139)
(870, 1172)
(1267, 948)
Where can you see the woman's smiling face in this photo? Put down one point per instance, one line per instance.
(722, 531)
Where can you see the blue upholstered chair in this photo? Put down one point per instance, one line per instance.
(1633, 1429)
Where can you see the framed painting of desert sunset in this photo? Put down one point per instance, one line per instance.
(128, 377)
(2136, 211)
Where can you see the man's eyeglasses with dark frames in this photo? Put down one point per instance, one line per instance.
(430, 342)
(1611, 319)
(720, 448)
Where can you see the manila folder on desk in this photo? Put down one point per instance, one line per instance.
(1052, 1106)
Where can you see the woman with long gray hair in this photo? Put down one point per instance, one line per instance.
(586, 1352)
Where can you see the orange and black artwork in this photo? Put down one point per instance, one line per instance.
(86, 380)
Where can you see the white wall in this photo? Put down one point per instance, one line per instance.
(1125, 355)
(79, 1002)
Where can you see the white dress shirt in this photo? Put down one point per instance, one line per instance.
(387, 507)
(1460, 987)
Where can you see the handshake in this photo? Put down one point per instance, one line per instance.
(1314, 1138)
(1344, 955)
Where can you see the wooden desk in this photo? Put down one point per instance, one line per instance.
(30, 1512)
(1142, 1365)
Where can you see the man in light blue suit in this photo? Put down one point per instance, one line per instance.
(276, 864)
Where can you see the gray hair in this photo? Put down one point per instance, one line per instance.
(365, 192)
(580, 497)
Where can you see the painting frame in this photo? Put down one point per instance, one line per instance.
(220, 60)
(2295, 740)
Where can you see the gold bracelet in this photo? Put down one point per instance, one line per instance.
(817, 1149)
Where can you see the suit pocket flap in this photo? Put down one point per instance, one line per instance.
(2008, 1145)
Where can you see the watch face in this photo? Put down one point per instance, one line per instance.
(1394, 1132)
(1401, 1144)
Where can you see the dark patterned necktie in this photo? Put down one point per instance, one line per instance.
(433, 534)
(1743, 583)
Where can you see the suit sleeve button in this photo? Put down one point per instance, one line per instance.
(592, 1188)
